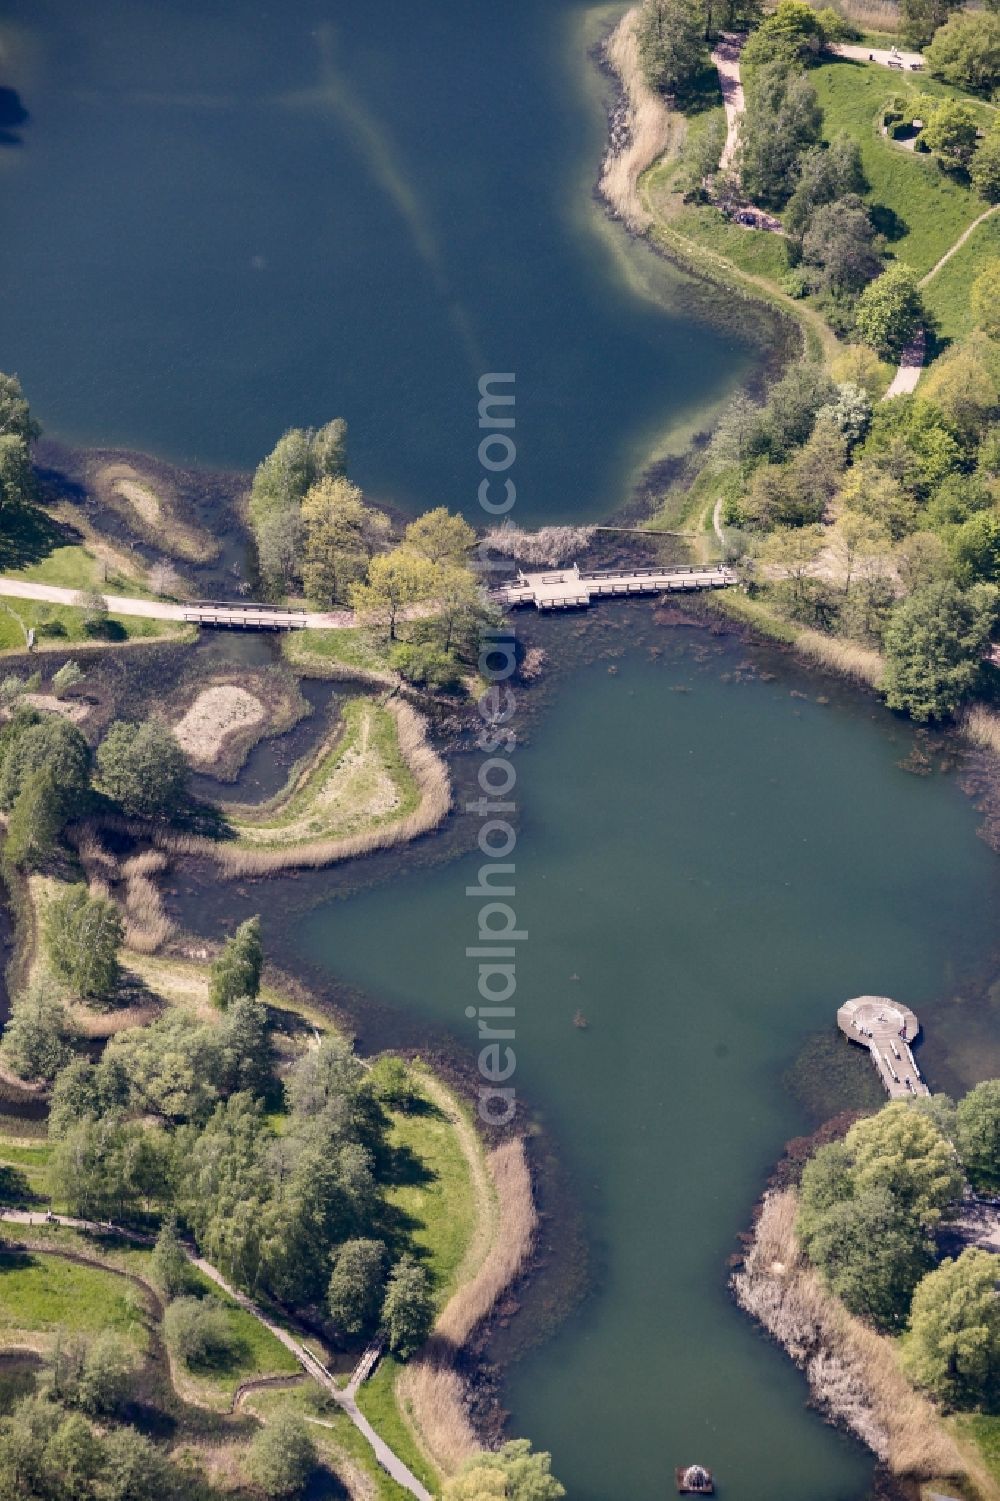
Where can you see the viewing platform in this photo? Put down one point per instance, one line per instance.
(886, 1029)
(571, 588)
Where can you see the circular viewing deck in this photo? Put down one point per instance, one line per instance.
(886, 1029)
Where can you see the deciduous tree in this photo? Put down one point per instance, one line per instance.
(83, 935)
(954, 1345)
(143, 769)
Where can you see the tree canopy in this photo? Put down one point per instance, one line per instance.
(953, 1347)
(143, 769)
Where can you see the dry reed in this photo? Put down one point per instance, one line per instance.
(853, 1372)
(431, 1391)
(552, 545)
(641, 131)
(849, 658)
(427, 769)
(981, 726)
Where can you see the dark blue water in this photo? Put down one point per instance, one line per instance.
(226, 219)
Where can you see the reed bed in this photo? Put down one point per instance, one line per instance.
(433, 783)
(981, 726)
(853, 1372)
(552, 545)
(129, 885)
(850, 658)
(431, 1390)
(641, 131)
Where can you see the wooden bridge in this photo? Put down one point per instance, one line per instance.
(886, 1029)
(573, 588)
(249, 617)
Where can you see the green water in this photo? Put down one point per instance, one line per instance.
(225, 219)
(720, 868)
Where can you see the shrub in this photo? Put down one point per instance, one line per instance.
(37, 1040)
(425, 664)
(67, 677)
(282, 1455)
(198, 1331)
(237, 969)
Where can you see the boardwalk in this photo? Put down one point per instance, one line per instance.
(886, 1029)
(571, 588)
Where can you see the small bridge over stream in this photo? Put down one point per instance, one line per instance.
(244, 617)
(574, 588)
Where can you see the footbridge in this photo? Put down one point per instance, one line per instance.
(575, 588)
(244, 617)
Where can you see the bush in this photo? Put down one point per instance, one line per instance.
(67, 677)
(237, 970)
(425, 664)
(198, 1331)
(282, 1455)
(890, 312)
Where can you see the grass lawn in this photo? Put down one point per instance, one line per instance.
(42, 1293)
(377, 1400)
(73, 567)
(352, 647)
(359, 783)
(256, 1352)
(984, 1432)
(752, 250)
(24, 1171)
(919, 207)
(439, 1202)
(57, 626)
(339, 1443)
(947, 296)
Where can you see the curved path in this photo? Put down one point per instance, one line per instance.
(924, 280)
(310, 1363)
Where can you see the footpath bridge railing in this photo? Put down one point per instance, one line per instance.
(244, 617)
(573, 588)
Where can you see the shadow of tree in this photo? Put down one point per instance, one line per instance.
(27, 535)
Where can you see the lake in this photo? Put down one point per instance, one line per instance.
(222, 221)
(709, 862)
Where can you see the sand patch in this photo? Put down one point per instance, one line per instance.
(216, 715)
(72, 709)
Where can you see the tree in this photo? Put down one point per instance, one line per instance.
(237, 969)
(966, 52)
(860, 366)
(408, 1310)
(357, 1285)
(105, 1376)
(168, 1266)
(36, 820)
(282, 1456)
(855, 538)
(851, 410)
(782, 117)
(49, 743)
(172, 1067)
(922, 18)
(164, 579)
(280, 538)
(978, 1134)
(672, 44)
(870, 492)
(143, 769)
(397, 582)
(701, 154)
(37, 1040)
(791, 33)
(135, 1470)
(840, 240)
(871, 1255)
(245, 1048)
(902, 1151)
(16, 420)
(934, 644)
(95, 610)
(300, 458)
(954, 1345)
(83, 934)
(739, 434)
(827, 173)
(17, 479)
(440, 537)
(985, 168)
(342, 535)
(975, 549)
(890, 312)
(792, 406)
(950, 130)
(985, 297)
(512, 1473)
(964, 387)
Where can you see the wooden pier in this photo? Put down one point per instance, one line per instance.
(886, 1029)
(572, 588)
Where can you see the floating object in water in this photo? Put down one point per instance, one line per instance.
(580, 1020)
(694, 1480)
